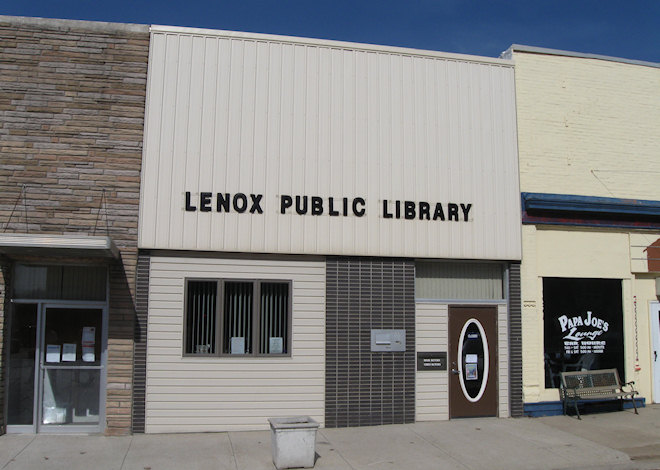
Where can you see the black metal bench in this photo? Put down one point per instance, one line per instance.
(594, 385)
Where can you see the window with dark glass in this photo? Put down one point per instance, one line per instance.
(226, 317)
(583, 326)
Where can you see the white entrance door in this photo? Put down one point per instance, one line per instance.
(655, 359)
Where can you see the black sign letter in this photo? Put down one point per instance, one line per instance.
(331, 208)
(386, 215)
(358, 201)
(205, 202)
(317, 205)
(240, 197)
(189, 206)
(285, 203)
(222, 202)
(466, 209)
(409, 210)
(452, 211)
(256, 203)
(438, 213)
(424, 211)
(301, 209)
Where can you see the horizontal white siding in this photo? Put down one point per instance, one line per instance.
(239, 114)
(221, 394)
(432, 387)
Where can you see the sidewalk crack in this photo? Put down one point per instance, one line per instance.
(130, 443)
(432, 444)
(336, 451)
(13, 459)
(233, 454)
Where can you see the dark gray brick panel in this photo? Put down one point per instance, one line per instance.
(363, 387)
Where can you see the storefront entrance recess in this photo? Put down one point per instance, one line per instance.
(57, 350)
(55, 368)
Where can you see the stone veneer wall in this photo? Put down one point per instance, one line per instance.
(72, 105)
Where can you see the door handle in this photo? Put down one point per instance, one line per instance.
(455, 372)
(655, 356)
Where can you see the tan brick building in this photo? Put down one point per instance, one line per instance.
(589, 140)
(72, 105)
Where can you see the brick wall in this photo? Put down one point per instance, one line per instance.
(587, 126)
(72, 97)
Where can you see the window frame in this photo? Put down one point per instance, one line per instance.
(256, 316)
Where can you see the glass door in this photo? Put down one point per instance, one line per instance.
(71, 361)
(21, 379)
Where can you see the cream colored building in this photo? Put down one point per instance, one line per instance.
(589, 149)
(326, 229)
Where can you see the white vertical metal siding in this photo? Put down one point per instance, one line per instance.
(272, 116)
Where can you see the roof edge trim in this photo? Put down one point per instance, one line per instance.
(69, 25)
(508, 54)
(331, 43)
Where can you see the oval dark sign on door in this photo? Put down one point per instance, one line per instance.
(473, 360)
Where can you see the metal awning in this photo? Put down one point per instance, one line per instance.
(78, 246)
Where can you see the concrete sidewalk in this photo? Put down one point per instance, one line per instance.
(618, 440)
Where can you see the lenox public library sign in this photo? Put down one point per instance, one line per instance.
(242, 203)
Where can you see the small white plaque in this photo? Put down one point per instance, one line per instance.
(88, 343)
(237, 345)
(471, 359)
(53, 353)
(276, 345)
(69, 352)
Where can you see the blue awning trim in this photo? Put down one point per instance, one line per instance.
(566, 209)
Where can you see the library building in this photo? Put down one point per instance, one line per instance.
(326, 229)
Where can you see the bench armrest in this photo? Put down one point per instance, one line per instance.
(631, 385)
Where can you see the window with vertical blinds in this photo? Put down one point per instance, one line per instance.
(459, 281)
(274, 317)
(237, 317)
(201, 317)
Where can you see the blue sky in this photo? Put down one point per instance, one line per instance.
(628, 28)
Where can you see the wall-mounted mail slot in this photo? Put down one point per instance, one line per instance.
(388, 340)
